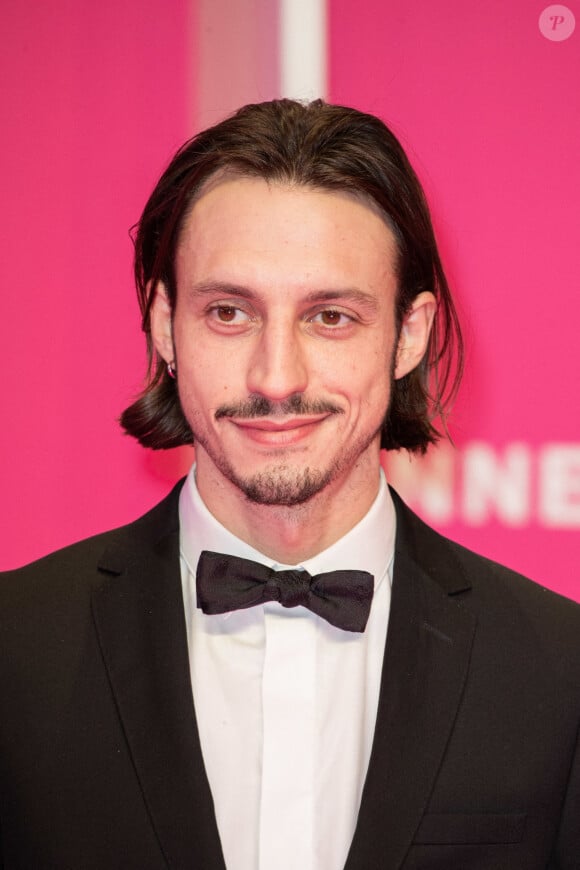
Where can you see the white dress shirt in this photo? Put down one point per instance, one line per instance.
(286, 703)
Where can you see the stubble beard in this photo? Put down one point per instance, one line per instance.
(280, 484)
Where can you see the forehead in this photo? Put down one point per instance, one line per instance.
(245, 223)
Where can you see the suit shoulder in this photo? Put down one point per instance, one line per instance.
(500, 580)
(483, 585)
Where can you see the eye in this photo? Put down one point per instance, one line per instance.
(331, 317)
(228, 314)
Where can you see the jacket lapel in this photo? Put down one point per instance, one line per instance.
(426, 661)
(138, 611)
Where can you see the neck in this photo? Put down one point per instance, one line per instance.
(290, 535)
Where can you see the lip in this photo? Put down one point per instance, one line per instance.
(269, 431)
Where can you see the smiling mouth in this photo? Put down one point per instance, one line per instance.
(273, 425)
(281, 432)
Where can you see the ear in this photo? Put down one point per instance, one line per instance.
(161, 326)
(414, 335)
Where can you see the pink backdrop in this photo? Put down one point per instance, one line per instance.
(489, 109)
(97, 98)
(95, 103)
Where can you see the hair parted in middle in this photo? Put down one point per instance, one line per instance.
(321, 146)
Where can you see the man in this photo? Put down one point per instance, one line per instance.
(388, 699)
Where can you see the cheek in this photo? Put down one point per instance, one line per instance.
(373, 387)
(204, 386)
(208, 356)
(365, 373)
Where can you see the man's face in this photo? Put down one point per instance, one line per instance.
(284, 336)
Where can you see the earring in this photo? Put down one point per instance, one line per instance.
(171, 370)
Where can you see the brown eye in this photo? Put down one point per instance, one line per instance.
(226, 313)
(330, 318)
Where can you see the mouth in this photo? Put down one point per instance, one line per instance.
(271, 431)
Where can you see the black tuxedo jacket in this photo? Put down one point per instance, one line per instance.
(475, 761)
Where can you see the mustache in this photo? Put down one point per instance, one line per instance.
(259, 406)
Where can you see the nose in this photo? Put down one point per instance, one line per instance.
(278, 367)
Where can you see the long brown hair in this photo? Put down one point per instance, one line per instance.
(322, 146)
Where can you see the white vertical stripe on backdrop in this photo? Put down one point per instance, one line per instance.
(253, 50)
(235, 56)
(302, 48)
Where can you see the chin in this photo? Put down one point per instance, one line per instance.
(282, 487)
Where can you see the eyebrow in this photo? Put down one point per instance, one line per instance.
(347, 294)
(221, 288)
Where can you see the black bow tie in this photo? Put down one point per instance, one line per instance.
(227, 583)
